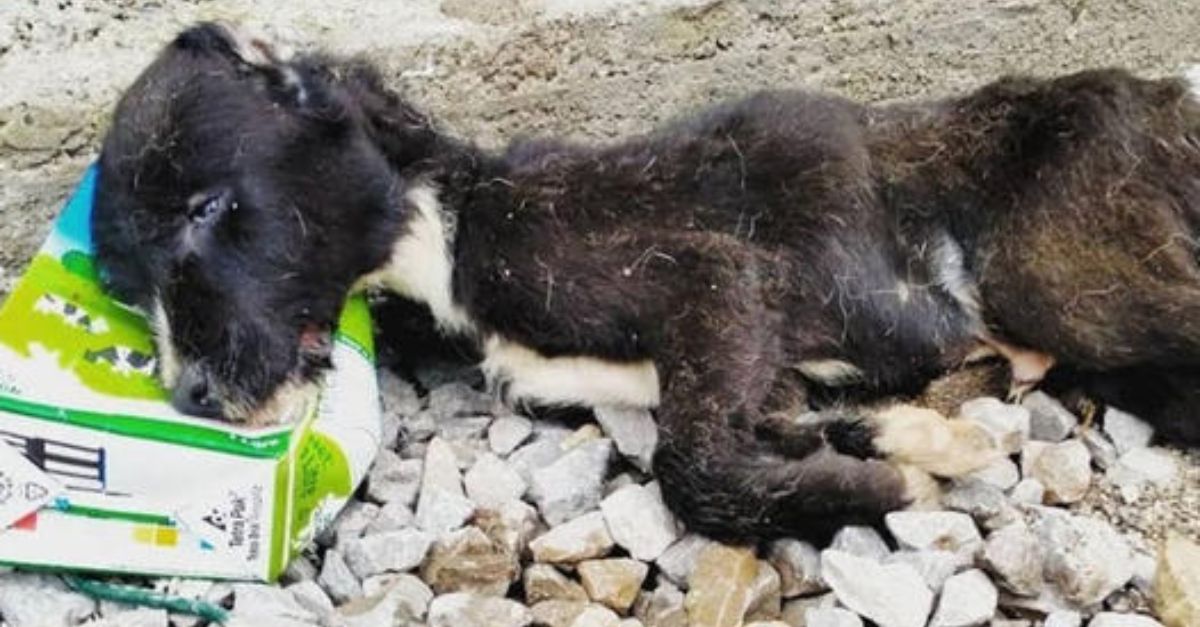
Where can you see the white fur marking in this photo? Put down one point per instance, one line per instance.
(830, 371)
(950, 273)
(569, 380)
(421, 267)
(168, 360)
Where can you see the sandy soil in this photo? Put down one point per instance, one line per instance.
(596, 69)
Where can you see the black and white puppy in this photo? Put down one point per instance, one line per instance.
(715, 270)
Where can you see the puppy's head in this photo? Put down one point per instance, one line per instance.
(240, 196)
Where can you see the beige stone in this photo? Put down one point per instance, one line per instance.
(557, 612)
(583, 538)
(544, 582)
(613, 582)
(1177, 583)
(468, 561)
(720, 586)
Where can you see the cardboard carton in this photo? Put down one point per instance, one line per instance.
(98, 472)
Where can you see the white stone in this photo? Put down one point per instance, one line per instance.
(1113, 619)
(639, 521)
(1015, 556)
(596, 616)
(311, 597)
(395, 551)
(391, 517)
(1141, 467)
(463, 609)
(506, 433)
(861, 541)
(442, 506)
(585, 537)
(986, 504)
(1063, 618)
(946, 531)
(35, 600)
(409, 591)
(491, 482)
(633, 430)
(1008, 424)
(1104, 453)
(679, 560)
(1085, 559)
(257, 601)
(799, 566)
(544, 450)
(1028, 491)
(392, 479)
(1064, 469)
(572, 484)
(935, 566)
(141, 617)
(339, 582)
(1049, 421)
(1127, 432)
(1002, 473)
(967, 599)
(892, 596)
(349, 523)
(831, 617)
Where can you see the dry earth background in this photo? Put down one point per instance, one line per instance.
(594, 69)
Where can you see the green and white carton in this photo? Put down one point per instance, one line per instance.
(99, 473)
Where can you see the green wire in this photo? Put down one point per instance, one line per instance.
(147, 598)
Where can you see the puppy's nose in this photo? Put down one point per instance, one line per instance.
(194, 395)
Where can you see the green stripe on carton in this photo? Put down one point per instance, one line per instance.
(194, 436)
(115, 514)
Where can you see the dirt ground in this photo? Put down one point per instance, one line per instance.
(594, 69)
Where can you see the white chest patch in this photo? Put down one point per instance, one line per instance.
(585, 381)
(421, 266)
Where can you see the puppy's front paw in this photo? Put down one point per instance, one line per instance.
(927, 440)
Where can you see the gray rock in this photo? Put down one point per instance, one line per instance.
(506, 433)
(34, 600)
(1085, 559)
(349, 523)
(633, 430)
(253, 602)
(530, 457)
(1002, 473)
(1028, 491)
(1014, 555)
(639, 521)
(463, 609)
(799, 566)
(585, 537)
(1008, 424)
(934, 566)
(1049, 421)
(141, 617)
(1127, 432)
(392, 479)
(459, 400)
(831, 617)
(946, 531)
(1141, 467)
(1113, 619)
(985, 503)
(491, 482)
(892, 595)
(339, 582)
(572, 484)
(395, 551)
(861, 541)
(967, 599)
(1104, 453)
(1145, 569)
(679, 560)
(301, 568)
(460, 429)
(1063, 468)
(662, 607)
(399, 401)
(391, 517)
(311, 597)
(398, 600)
(511, 525)
(442, 506)
(1063, 618)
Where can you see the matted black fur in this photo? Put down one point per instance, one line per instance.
(747, 250)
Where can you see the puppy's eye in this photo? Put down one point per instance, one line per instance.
(204, 209)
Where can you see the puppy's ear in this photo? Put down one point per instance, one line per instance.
(249, 50)
(404, 134)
